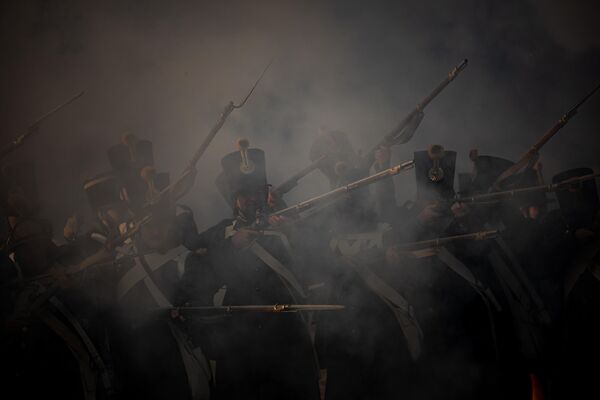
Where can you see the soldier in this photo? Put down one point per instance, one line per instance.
(257, 356)
(153, 358)
(457, 300)
(575, 263)
(42, 341)
(362, 348)
(516, 257)
(137, 275)
(340, 164)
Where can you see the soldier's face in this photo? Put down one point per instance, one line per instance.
(532, 212)
(248, 203)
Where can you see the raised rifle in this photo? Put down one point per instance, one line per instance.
(401, 134)
(33, 128)
(405, 130)
(145, 216)
(206, 142)
(134, 226)
(531, 156)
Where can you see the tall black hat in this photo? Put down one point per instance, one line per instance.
(486, 169)
(244, 171)
(128, 160)
(579, 203)
(131, 154)
(434, 169)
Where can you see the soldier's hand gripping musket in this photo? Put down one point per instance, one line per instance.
(530, 157)
(342, 190)
(33, 128)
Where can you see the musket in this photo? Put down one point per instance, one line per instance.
(529, 158)
(507, 194)
(401, 134)
(249, 309)
(292, 181)
(211, 135)
(343, 190)
(441, 241)
(228, 110)
(405, 130)
(134, 226)
(146, 215)
(32, 129)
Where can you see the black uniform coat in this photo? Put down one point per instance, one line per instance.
(257, 355)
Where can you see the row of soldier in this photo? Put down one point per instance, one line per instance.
(477, 316)
(483, 288)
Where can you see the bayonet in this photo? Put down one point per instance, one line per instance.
(228, 110)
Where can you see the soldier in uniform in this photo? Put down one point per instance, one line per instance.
(153, 357)
(362, 348)
(40, 340)
(457, 300)
(244, 261)
(515, 258)
(573, 232)
(120, 294)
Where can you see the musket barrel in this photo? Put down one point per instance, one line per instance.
(211, 134)
(308, 204)
(482, 235)
(268, 308)
(498, 196)
(563, 120)
(451, 76)
(18, 141)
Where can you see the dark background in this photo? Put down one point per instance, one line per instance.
(164, 70)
